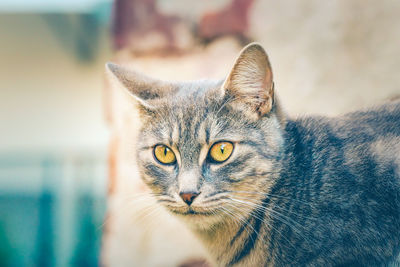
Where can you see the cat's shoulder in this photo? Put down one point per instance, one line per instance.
(377, 125)
(388, 111)
(367, 138)
(378, 119)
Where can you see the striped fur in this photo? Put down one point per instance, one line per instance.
(312, 191)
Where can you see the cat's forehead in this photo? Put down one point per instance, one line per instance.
(197, 88)
(191, 124)
(188, 117)
(191, 100)
(196, 114)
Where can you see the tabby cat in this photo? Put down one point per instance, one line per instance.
(261, 189)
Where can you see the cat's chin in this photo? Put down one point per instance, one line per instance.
(198, 219)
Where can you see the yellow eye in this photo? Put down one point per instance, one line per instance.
(164, 154)
(221, 151)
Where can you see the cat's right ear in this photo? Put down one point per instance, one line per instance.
(250, 84)
(147, 91)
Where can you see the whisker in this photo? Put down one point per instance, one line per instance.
(130, 202)
(240, 220)
(282, 209)
(283, 218)
(272, 227)
(227, 101)
(267, 209)
(165, 201)
(263, 222)
(274, 196)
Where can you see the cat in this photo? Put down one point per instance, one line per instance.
(260, 188)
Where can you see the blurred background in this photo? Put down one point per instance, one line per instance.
(53, 137)
(66, 131)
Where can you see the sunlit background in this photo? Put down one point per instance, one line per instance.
(66, 133)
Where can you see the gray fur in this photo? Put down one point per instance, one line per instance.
(312, 191)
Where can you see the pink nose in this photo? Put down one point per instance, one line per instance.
(188, 197)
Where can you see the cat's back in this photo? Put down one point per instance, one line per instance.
(373, 134)
(349, 168)
(382, 126)
(382, 121)
(376, 129)
(377, 121)
(366, 141)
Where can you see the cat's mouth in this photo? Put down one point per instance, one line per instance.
(191, 211)
(199, 217)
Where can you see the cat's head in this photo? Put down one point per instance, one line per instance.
(205, 148)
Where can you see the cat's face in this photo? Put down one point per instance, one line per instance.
(206, 146)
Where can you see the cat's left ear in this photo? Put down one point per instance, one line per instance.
(250, 84)
(147, 91)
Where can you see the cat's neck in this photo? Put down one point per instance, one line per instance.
(218, 237)
(237, 239)
(224, 243)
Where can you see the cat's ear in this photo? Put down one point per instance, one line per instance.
(147, 91)
(250, 83)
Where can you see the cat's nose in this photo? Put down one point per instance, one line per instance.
(188, 197)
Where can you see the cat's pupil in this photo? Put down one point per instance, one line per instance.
(222, 149)
(165, 151)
